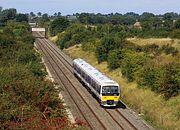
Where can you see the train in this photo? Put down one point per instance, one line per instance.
(104, 88)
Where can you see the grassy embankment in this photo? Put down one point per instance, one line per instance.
(161, 113)
(158, 41)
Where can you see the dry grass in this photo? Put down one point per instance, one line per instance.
(158, 41)
(53, 39)
(163, 114)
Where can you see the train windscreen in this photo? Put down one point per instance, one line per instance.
(110, 91)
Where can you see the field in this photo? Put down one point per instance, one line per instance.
(152, 107)
(158, 41)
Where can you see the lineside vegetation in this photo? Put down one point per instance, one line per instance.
(149, 73)
(28, 100)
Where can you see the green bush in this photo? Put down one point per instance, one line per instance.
(132, 63)
(151, 76)
(175, 34)
(25, 94)
(58, 25)
(114, 59)
(107, 44)
(170, 85)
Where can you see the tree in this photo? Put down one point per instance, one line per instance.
(107, 44)
(170, 16)
(114, 58)
(55, 14)
(39, 14)
(177, 24)
(170, 85)
(58, 25)
(32, 14)
(45, 15)
(21, 18)
(146, 16)
(44, 20)
(8, 14)
(59, 14)
(168, 25)
(1, 8)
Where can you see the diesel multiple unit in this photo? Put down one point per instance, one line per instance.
(106, 90)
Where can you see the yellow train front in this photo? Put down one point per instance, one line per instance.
(110, 95)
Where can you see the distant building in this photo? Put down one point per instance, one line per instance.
(33, 24)
(137, 25)
(71, 17)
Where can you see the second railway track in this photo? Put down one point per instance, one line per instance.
(64, 63)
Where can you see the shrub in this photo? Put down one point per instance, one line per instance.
(58, 25)
(114, 59)
(132, 63)
(171, 81)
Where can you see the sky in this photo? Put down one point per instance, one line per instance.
(93, 6)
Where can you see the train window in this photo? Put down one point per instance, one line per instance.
(83, 74)
(88, 79)
(93, 84)
(77, 69)
(110, 90)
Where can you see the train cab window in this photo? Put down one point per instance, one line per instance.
(83, 74)
(110, 90)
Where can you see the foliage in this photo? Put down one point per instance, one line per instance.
(75, 34)
(114, 58)
(43, 21)
(170, 85)
(58, 25)
(21, 17)
(175, 34)
(107, 44)
(161, 78)
(132, 63)
(7, 14)
(28, 101)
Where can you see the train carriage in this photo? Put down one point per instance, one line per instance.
(106, 90)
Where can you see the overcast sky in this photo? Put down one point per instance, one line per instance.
(93, 6)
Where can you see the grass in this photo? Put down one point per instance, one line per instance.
(153, 108)
(53, 39)
(158, 41)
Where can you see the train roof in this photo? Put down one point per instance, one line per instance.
(94, 73)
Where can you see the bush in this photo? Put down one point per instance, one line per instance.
(171, 80)
(107, 44)
(132, 63)
(161, 79)
(114, 59)
(58, 25)
(175, 34)
(151, 76)
(170, 50)
(28, 101)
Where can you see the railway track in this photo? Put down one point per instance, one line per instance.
(65, 82)
(53, 48)
(63, 59)
(56, 54)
